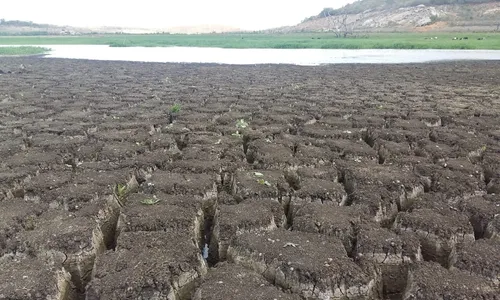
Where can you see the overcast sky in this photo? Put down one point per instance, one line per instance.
(249, 14)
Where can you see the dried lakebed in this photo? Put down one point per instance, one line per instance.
(349, 182)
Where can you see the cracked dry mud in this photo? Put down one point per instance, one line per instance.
(349, 182)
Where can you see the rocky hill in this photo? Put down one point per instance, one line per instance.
(448, 17)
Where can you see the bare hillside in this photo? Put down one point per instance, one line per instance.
(458, 17)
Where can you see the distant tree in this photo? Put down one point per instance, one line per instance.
(326, 12)
(339, 23)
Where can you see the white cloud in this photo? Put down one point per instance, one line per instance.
(256, 14)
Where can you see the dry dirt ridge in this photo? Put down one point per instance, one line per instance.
(463, 17)
(349, 182)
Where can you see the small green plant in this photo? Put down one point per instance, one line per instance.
(121, 190)
(263, 182)
(260, 179)
(241, 124)
(176, 108)
(150, 201)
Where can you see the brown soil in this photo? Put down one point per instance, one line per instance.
(350, 182)
(230, 281)
(431, 27)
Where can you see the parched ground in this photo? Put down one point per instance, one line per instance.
(349, 182)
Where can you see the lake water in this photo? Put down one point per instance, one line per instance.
(265, 56)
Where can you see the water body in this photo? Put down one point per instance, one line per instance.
(265, 56)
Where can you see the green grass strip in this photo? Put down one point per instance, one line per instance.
(428, 40)
(23, 50)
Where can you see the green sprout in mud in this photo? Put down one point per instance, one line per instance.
(150, 201)
(261, 180)
(176, 108)
(172, 115)
(121, 190)
(240, 124)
